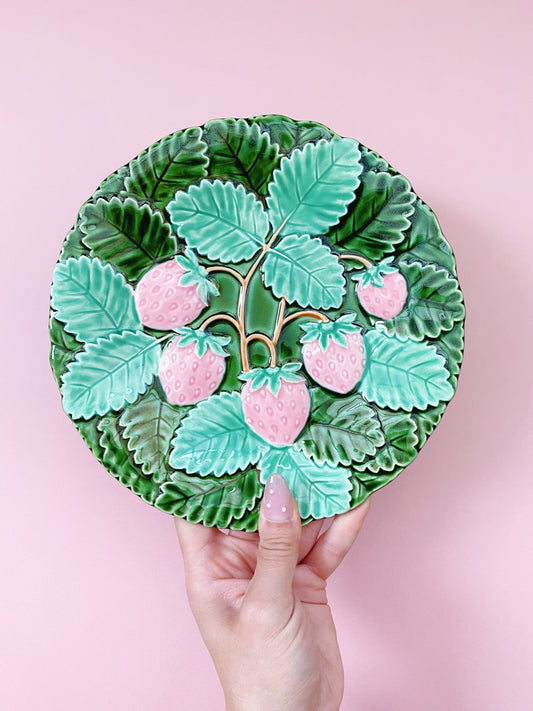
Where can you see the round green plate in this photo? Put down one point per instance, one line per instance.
(255, 296)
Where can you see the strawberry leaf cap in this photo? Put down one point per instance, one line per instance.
(196, 275)
(272, 376)
(203, 341)
(327, 331)
(373, 276)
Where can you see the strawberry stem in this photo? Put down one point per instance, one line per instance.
(228, 270)
(356, 258)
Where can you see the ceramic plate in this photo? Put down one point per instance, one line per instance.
(255, 296)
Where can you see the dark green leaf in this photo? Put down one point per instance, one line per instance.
(116, 459)
(426, 422)
(73, 245)
(63, 348)
(213, 501)
(289, 134)
(112, 185)
(451, 344)
(425, 242)
(350, 433)
(127, 235)
(399, 449)
(434, 302)
(240, 151)
(148, 427)
(169, 165)
(378, 218)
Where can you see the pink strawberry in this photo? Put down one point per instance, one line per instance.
(192, 366)
(382, 290)
(173, 293)
(333, 353)
(275, 402)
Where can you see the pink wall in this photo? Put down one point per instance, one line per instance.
(434, 606)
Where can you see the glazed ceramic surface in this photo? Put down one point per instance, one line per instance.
(249, 297)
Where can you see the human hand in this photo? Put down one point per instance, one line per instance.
(259, 600)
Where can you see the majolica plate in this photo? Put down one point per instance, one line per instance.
(255, 296)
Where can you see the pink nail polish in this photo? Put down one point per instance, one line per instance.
(277, 503)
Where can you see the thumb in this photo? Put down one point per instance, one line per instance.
(279, 543)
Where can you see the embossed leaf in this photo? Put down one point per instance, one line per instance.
(452, 345)
(169, 165)
(399, 448)
(302, 269)
(148, 427)
(425, 241)
(313, 186)
(109, 373)
(116, 459)
(213, 501)
(242, 152)
(434, 302)
(403, 374)
(220, 220)
(92, 299)
(113, 184)
(73, 245)
(63, 347)
(378, 218)
(350, 433)
(289, 134)
(215, 439)
(320, 490)
(426, 421)
(127, 235)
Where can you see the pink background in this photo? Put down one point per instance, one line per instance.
(434, 604)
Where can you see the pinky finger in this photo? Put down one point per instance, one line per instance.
(333, 545)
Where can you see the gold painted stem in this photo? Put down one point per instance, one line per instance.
(304, 314)
(356, 258)
(228, 270)
(279, 320)
(221, 317)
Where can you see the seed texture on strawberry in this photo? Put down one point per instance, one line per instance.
(173, 293)
(334, 353)
(275, 402)
(382, 290)
(192, 366)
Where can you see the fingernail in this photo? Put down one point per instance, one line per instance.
(277, 499)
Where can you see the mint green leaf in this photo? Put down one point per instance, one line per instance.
(92, 299)
(148, 427)
(242, 152)
(167, 166)
(115, 457)
(313, 186)
(403, 374)
(399, 449)
(213, 501)
(109, 373)
(215, 439)
(320, 490)
(425, 241)
(220, 220)
(302, 269)
(351, 432)
(379, 217)
(289, 134)
(434, 302)
(127, 235)
(273, 376)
